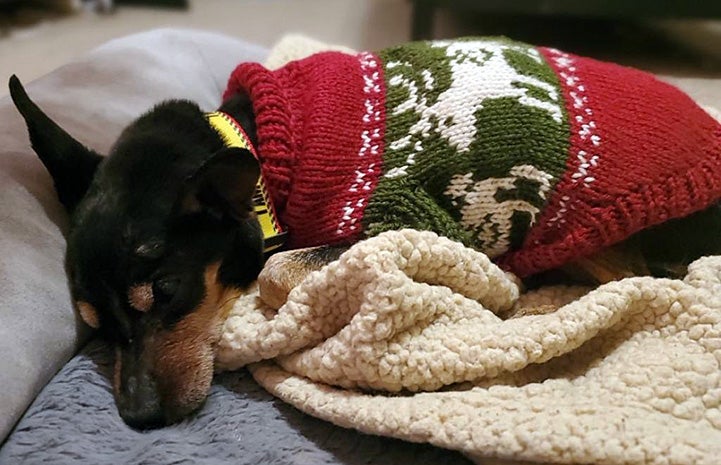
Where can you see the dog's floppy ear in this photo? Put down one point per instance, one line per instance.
(71, 165)
(223, 186)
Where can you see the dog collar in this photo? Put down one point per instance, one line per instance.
(234, 136)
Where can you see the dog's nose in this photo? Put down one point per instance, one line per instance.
(151, 416)
(139, 404)
(143, 418)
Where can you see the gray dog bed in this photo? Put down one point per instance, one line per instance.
(74, 421)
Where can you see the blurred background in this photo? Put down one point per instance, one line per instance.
(672, 37)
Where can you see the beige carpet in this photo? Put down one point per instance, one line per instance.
(31, 51)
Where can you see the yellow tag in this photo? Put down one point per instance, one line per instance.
(234, 136)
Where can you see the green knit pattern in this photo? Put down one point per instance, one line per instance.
(476, 138)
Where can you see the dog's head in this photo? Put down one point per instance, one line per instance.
(162, 235)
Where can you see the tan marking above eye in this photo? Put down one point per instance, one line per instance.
(140, 297)
(88, 314)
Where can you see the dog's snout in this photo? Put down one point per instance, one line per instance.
(139, 403)
(151, 392)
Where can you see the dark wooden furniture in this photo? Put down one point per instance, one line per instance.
(424, 10)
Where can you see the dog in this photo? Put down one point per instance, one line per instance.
(165, 231)
(162, 234)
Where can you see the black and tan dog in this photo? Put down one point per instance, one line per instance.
(164, 237)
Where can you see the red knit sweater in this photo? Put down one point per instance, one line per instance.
(585, 153)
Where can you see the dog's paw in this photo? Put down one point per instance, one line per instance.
(281, 273)
(285, 270)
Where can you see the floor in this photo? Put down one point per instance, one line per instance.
(31, 50)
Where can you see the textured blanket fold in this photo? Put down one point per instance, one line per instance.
(414, 336)
(626, 373)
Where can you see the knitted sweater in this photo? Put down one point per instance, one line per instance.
(531, 155)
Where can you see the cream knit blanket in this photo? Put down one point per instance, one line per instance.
(406, 336)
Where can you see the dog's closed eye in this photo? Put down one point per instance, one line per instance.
(165, 288)
(143, 296)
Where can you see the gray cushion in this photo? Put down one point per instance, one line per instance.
(93, 98)
(74, 421)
